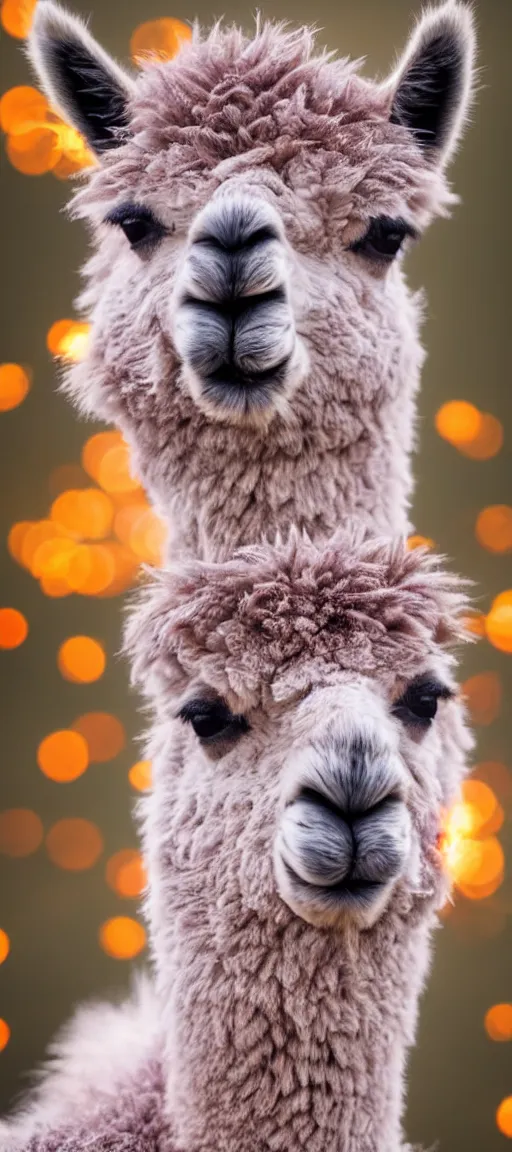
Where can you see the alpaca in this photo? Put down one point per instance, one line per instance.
(252, 333)
(306, 737)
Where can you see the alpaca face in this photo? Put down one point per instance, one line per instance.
(338, 779)
(249, 215)
(307, 704)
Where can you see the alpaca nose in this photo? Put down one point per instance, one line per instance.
(345, 835)
(234, 324)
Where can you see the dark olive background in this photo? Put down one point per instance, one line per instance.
(458, 1076)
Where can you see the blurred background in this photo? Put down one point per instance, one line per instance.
(75, 526)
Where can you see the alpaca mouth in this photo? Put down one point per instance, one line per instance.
(348, 895)
(230, 388)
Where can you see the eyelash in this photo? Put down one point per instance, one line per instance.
(212, 721)
(410, 708)
(139, 225)
(383, 239)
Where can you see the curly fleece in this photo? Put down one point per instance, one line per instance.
(357, 604)
(268, 118)
(267, 1033)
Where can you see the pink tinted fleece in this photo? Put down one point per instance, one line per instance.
(269, 118)
(262, 1033)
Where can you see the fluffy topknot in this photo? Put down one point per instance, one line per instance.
(368, 606)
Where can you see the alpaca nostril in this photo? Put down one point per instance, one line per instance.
(233, 235)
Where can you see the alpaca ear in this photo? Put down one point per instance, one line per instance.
(431, 89)
(80, 79)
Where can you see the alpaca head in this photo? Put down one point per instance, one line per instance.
(310, 728)
(249, 211)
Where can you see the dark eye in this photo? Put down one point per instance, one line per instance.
(139, 225)
(418, 705)
(212, 720)
(383, 239)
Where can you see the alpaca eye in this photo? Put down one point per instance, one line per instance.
(212, 720)
(139, 225)
(383, 239)
(419, 702)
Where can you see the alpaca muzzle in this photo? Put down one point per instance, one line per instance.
(344, 837)
(234, 326)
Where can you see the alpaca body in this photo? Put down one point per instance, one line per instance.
(285, 997)
(320, 1071)
(286, 1025)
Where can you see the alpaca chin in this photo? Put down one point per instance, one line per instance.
(250, 405)
(360, 907)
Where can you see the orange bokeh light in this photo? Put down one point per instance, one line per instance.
(63, 756)
(458, 422)
(39, 140)
(54, 587)
(487, 442)
(502, 598)
(148, 537)
(417, 541)
(16, 17)
(95, 448)
(75, 154)
(5, 1034)
(68, 339)
(126, 874)
(5, 945)
(114, 473)
(482, 805)
(126, 566)
(122, 938)
(81, 659)
(21, 832)
(498, 1022)
(477, 864)
(140, 776)
(125, 519)
(493, 528)
(91, 569)
(84, 512)
(51, 559)
(34, 535)
(16, 537)
(104, 734)
(22, 106)
(472, 855)
(34, 152)
(504, 1116)
(483, 695)
(14, 385)
(476, 434)
(498, 626)
(162, 38)
(74, 844)
(13, 628)
(474, 623)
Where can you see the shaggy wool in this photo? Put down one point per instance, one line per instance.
(265, 117)
(269, 1033)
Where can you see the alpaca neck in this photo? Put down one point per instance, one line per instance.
(295, 1040)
